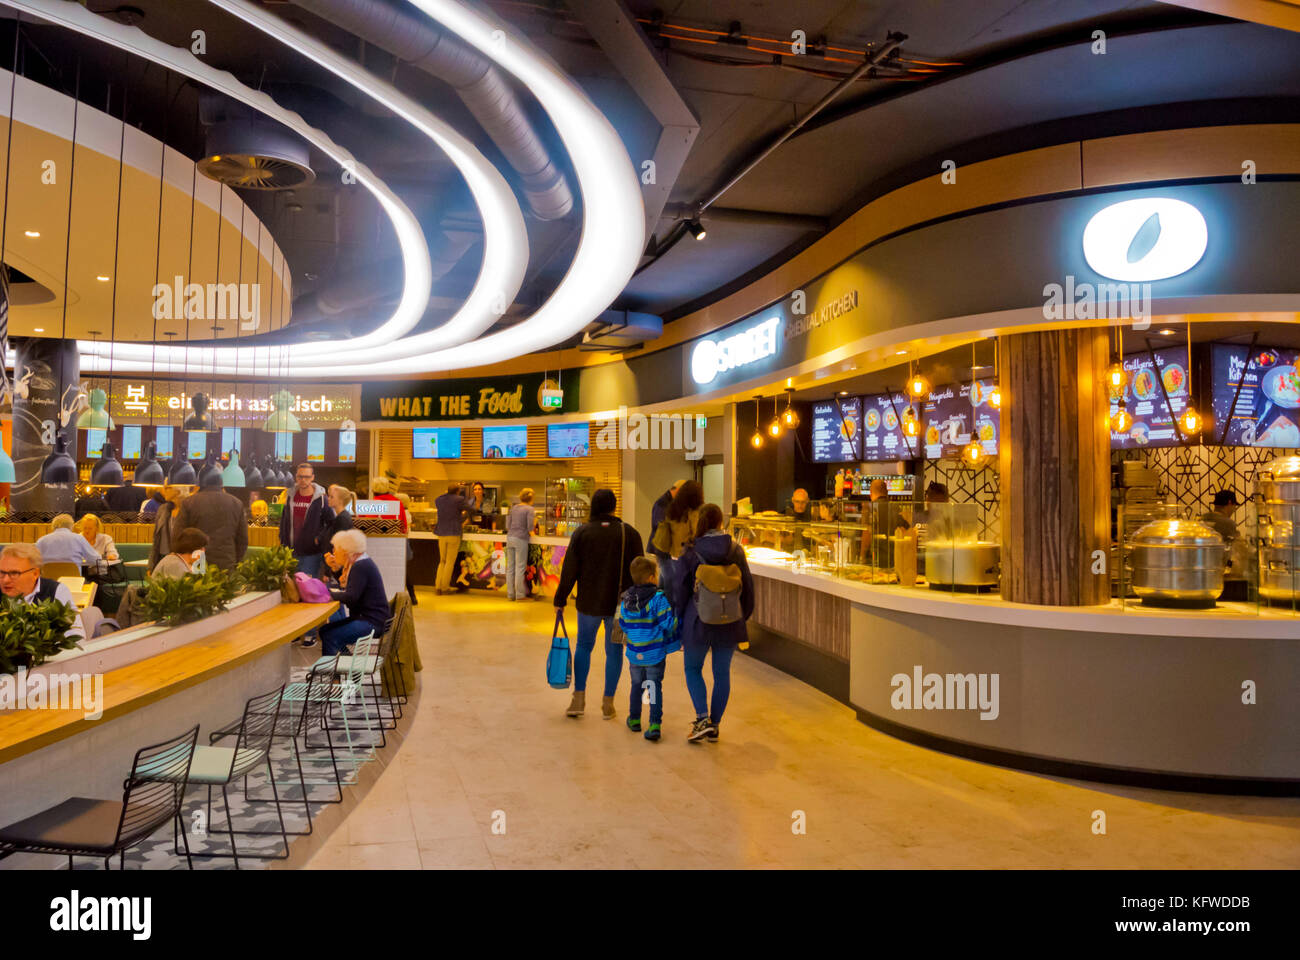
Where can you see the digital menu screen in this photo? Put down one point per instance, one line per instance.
(162, 438)
(505, 443)
(565, 440)
(950, 416)
(316, 446)
(229, 440)
(198, 444)
(284, 445)
(837, 430)
(131, 443)
(435, 443)
(1267, 410)
(882, 433)
(95, 442)
(347, 446)
(1153, 420)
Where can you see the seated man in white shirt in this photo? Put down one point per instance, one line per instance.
(64, 545)
(20, 577)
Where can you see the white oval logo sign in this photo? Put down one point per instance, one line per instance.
(712, 357)
(1153, 238)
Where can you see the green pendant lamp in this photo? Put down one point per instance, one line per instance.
(7, 472)
(95, 416)
(233, 475)
(282, 421)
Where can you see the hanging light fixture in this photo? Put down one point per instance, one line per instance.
(108, 471)
(756, 441)
(790, 416)
(59, 467)
(181, 472)
(973, 454)
(917, 386)
(774, 428)
(233, 474)
(1190, 421)
(995, 392)
(1117, 376)
(210, 467)
(1121, 419)
(911, 424)
(148, 470)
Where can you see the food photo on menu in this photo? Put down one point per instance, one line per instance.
(1265, 384)
(1149, 384)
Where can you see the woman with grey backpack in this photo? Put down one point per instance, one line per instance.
(714, 593)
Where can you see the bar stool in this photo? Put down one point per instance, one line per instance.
(342, 694)
(83, 827)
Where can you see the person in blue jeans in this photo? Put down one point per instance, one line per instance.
(597, 562)
(650, 634)
(362, 591)
(519, 528)
(715, 548)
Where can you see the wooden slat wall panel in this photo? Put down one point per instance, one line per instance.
(1054, 462)
(124, 533)
(817, 619)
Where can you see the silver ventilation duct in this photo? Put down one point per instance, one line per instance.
(487, 94)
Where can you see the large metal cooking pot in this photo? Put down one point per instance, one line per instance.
(1279, 482)
(1279, 560)
(1177, 563)
(966, 563)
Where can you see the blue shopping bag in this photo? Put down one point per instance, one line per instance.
(559, 660)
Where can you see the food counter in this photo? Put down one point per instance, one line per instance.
(482, 561)
(1190, 699)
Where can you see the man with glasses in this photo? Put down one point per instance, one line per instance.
(20, 579)
(306, 520)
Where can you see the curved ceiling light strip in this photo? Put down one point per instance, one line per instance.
(613, 224)
(505, 249)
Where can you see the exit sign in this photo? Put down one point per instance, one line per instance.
(552, 399)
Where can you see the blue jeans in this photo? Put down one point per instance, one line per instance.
(336, 636)
(641, 674)
(310, 563)
(693, 657)
(587, 627)
(516, 564)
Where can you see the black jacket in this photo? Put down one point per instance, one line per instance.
(715, 549)
(591, 563)
(339, 522)
(313, 538)
(221, 516)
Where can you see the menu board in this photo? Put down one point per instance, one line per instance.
(95, 438)
(505, 443)
(229, 440)
(283, 445)
(565, 440)
(316, 446)
(347, 446)
(1267, 412)
(163, 439)
(837, 430)
(1153, 420)
(435, 443)
(131, 442)
(950, 416)
(882, 433)
(198, 444)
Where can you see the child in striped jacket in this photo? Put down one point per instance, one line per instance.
(650, 634)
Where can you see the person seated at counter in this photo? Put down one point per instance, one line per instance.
(63, 545)
(187, 547)
(361, 591)
(94, 534)
(20, 579)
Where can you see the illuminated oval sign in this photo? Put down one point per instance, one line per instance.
(712, 357)
(1153, 238)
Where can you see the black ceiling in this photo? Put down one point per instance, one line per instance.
(1008, 75)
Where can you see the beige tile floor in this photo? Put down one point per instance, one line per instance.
(489, 744)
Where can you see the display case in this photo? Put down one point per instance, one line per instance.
(567, 504)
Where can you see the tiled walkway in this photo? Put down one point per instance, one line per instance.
(489, 748)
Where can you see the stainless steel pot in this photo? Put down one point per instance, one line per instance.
(962, 564)
(1178, 562)
(1279, 482)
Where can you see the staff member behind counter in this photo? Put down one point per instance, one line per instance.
(480, 507)
(1238, 552)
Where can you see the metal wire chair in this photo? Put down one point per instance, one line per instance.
(342, 694)
(82, 827)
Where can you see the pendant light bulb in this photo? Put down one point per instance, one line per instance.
(1121, 420)
(918, 386)
(911, 425)
(1190, 421)
(974, 454)
(790, 416)
(774, 428)
(995, 397)
(1117, 379)
(756, 441)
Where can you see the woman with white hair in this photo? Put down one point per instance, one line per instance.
(361, 591)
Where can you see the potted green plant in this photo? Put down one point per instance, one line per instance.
(189, 598)
(31, 633)
(266, 569)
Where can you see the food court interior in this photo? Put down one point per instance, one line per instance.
(977, 321)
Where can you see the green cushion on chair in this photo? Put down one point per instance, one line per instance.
(369, 665)
(213, 765)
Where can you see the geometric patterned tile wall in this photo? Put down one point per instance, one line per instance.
(971, 486)
(1195, 473)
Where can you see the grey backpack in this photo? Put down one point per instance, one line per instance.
(717, 593)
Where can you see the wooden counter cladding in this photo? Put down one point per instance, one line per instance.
(813, 617)
(145, 682)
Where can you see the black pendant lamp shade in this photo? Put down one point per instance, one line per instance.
(107, 472)
(181, 472)
(253, 475)
(59, 467)
(210, 466)
(149, 470)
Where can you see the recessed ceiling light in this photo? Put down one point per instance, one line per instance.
(102, 279)
(32, 233)
(1166, 333)
(844, 393)
(900, 353)
(39, 329)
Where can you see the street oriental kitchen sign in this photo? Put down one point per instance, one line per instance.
(488, 398)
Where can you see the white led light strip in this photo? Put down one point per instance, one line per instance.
(505, 245)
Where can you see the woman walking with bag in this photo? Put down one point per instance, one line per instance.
(598, 562)
(715, 596)
(676, 531)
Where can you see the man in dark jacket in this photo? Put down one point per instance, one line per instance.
(218, 514)
(126, 497)
(305, 520)
(598, 562)
(658, 510)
